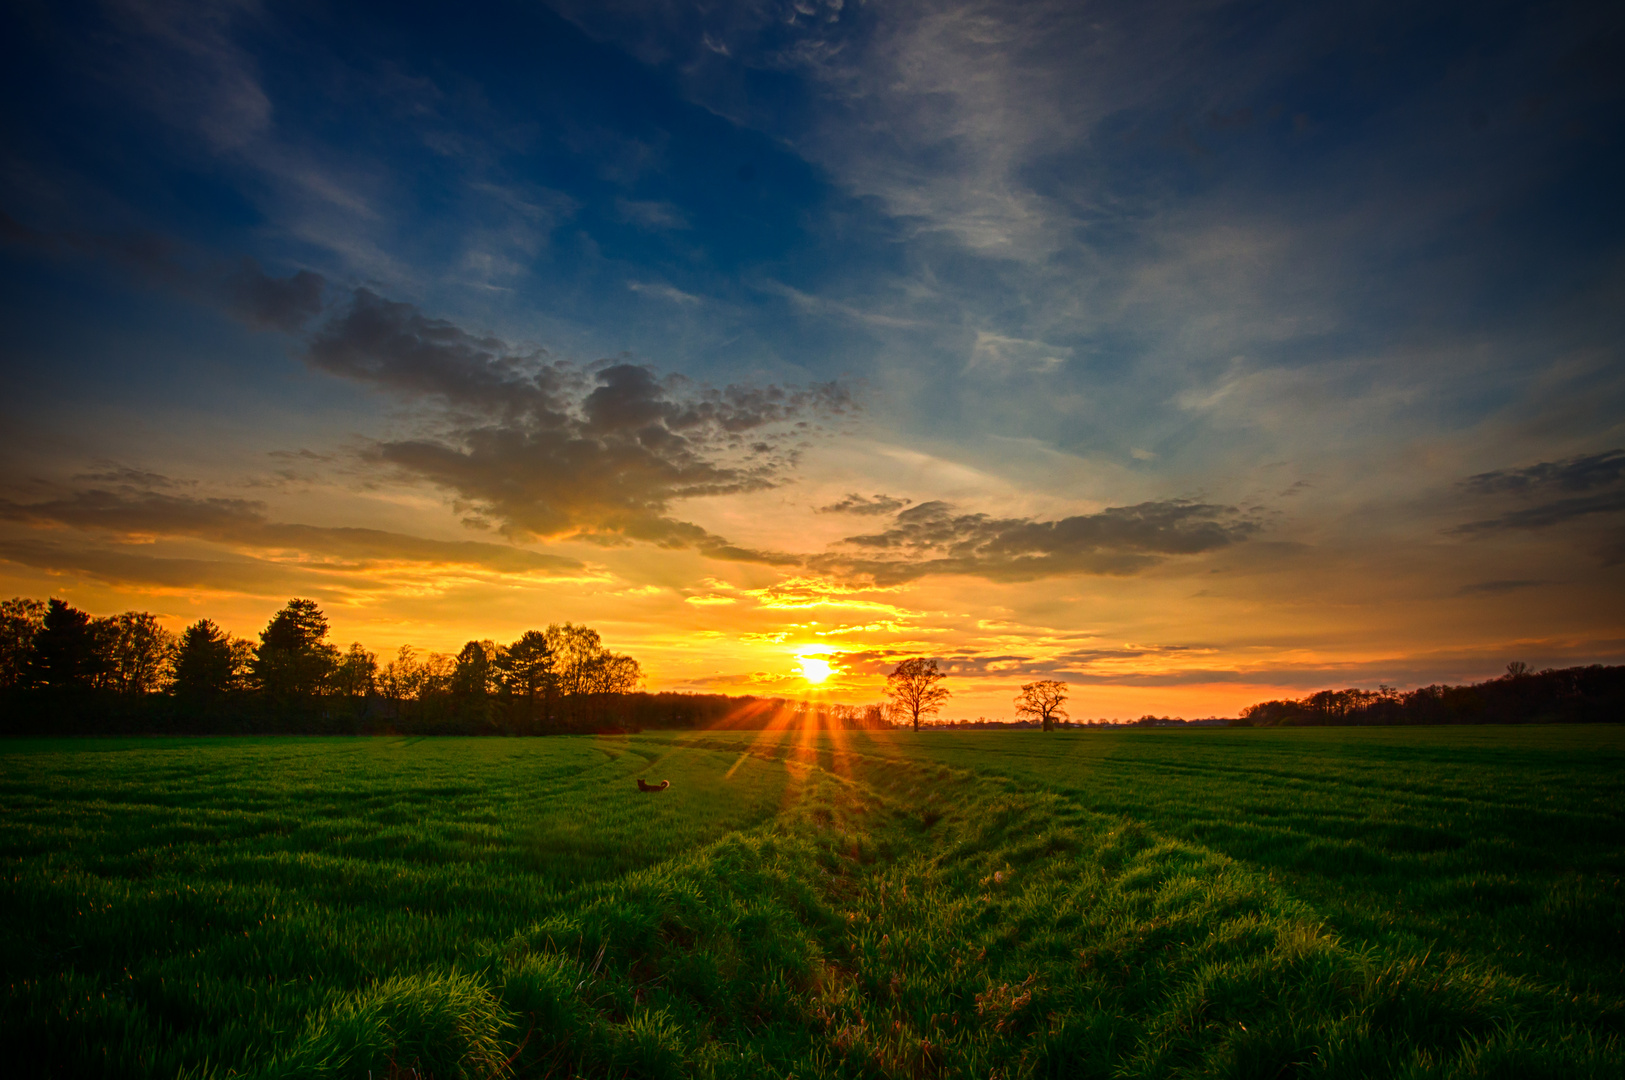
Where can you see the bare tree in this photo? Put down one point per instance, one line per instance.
(1043, 701)
(913, 689)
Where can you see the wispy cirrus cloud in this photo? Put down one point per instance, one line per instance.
(663, 291)
(652, 213)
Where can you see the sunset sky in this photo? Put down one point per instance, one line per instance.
(1191, 353)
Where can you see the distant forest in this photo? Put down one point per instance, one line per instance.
(66, 672)
(1576, 695)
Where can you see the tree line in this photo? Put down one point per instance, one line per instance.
(64, 671)
(62, 666)
(1575, 695)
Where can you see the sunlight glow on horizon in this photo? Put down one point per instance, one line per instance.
(815, 670)
(772, 412)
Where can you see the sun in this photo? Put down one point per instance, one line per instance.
(815, 670)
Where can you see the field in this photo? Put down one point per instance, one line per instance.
(1221, 902)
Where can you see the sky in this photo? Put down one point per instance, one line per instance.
(1193, 354)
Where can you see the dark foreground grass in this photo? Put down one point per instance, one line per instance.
(966, 905)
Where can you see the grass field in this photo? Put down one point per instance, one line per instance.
(1222, 902)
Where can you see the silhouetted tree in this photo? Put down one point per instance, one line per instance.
(475, 675)
(63, 653)
(135, 652)
(205, 665)
(612, 673)
(584, 672)
(525, 668)
(912, 687)
(355, 673)
(294, 659)
(400, 679)
(524, 674)
(575, 650)
(473, 679)
(1043, 700)
(20, 621)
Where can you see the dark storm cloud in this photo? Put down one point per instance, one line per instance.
(865, 506)
(1579, 478)
(933, 539)
(547, 448)
(139, 512)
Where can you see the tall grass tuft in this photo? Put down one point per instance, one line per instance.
(445, 1025)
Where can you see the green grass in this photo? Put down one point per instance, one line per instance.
(1341, 902)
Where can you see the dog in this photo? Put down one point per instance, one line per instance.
(662, 786)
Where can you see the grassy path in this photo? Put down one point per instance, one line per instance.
(873, 907)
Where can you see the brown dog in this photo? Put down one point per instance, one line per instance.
(662, 786)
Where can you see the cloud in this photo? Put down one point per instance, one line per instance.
(999, 354)
(127, 567)
(803, 592)
(125, 476)
(140, 512)
(932, 538)
(182, 59)
(1546, 515)
(865, 505)
(1570, 476)
(1496, 588)
(263, 302)
(651, 215)
(663, 291)
(547, 448)
(241, 289)
(1573, 474)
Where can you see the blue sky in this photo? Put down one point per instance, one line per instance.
(1168, 345)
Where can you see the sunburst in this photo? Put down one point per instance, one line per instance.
(815, 669)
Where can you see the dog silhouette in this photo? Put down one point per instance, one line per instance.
(662, 786)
